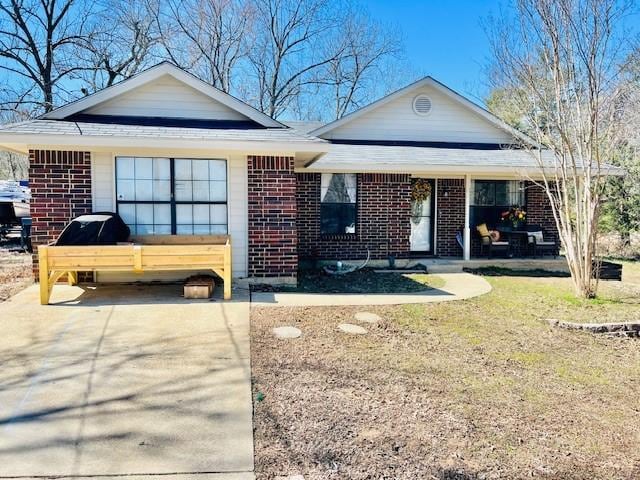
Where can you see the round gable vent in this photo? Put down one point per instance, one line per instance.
(422, 105)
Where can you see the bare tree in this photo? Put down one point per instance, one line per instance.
(561, 58)
(290, 49)
(356, 75)
(13, 166)
(36, 41)
(122, 44)
(207, 37)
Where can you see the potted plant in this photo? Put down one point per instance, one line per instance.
(515, 216)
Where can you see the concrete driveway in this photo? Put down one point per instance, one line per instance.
(125, 380)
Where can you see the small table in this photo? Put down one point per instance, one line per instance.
(519, 237)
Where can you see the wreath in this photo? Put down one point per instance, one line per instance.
(420, 190)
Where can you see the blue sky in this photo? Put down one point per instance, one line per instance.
(444, 39)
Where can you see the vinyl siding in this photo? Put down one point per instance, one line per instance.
(103, 178)
(166, 97)
(448, 121)
(102, 182)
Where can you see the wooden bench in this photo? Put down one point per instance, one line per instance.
(144, 254)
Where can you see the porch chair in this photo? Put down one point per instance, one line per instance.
(539, 244)
(488, 244)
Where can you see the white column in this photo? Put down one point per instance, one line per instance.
(467, 209)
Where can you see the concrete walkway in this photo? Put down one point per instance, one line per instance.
(125, 380)
(458, 286)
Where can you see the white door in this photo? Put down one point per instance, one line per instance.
(421, 238)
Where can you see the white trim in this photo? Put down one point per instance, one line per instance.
(440, 87)
(153, 73)
(467, 217)
(445, 171)
(114, 188)
(435, 215)
(433, 171)
(250, 147)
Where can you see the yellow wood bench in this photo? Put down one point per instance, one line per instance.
(144, 254)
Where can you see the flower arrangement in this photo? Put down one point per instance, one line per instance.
(420, 190)
(515, 216)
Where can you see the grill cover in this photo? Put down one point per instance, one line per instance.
(102, 228)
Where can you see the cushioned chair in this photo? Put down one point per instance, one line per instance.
(490, 245)
(539, 244)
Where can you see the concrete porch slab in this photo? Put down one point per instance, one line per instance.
(452, 265)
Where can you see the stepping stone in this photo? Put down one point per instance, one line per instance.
(350, 328)
(368, 317)
(287, 332)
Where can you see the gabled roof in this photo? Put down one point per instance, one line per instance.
(433, 83)
(151, 74)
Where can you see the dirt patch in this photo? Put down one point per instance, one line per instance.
(360, 281)
(483, 388)
(15, 270)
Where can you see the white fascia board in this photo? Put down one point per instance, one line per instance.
(24, 142)
(444, 170)
(415, 168)
(152, 74)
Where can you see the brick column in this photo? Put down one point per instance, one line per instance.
(450, 216)
(272, 217)
(60, 183)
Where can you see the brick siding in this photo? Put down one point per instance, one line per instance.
(382, 225)
(60, 183)
(272, 217)
(450, 213)
(539, 210)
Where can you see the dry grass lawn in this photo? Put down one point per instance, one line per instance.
(463, 390)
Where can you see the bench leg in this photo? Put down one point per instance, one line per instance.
(227, 272)
(227, 290)
(43, 265)
(72, 278)
(44, 286)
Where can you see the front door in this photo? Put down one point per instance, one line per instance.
(422, 197)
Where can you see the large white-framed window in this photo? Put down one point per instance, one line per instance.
(172, 196)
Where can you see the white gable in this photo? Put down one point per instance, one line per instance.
(164, 91)
(451, 119)
(166, 97)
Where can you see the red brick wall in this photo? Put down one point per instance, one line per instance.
(539, 210)
(450, 212)
(382, 225)
(60, 184)
(272, 217)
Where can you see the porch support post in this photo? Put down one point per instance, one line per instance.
(467, 209)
